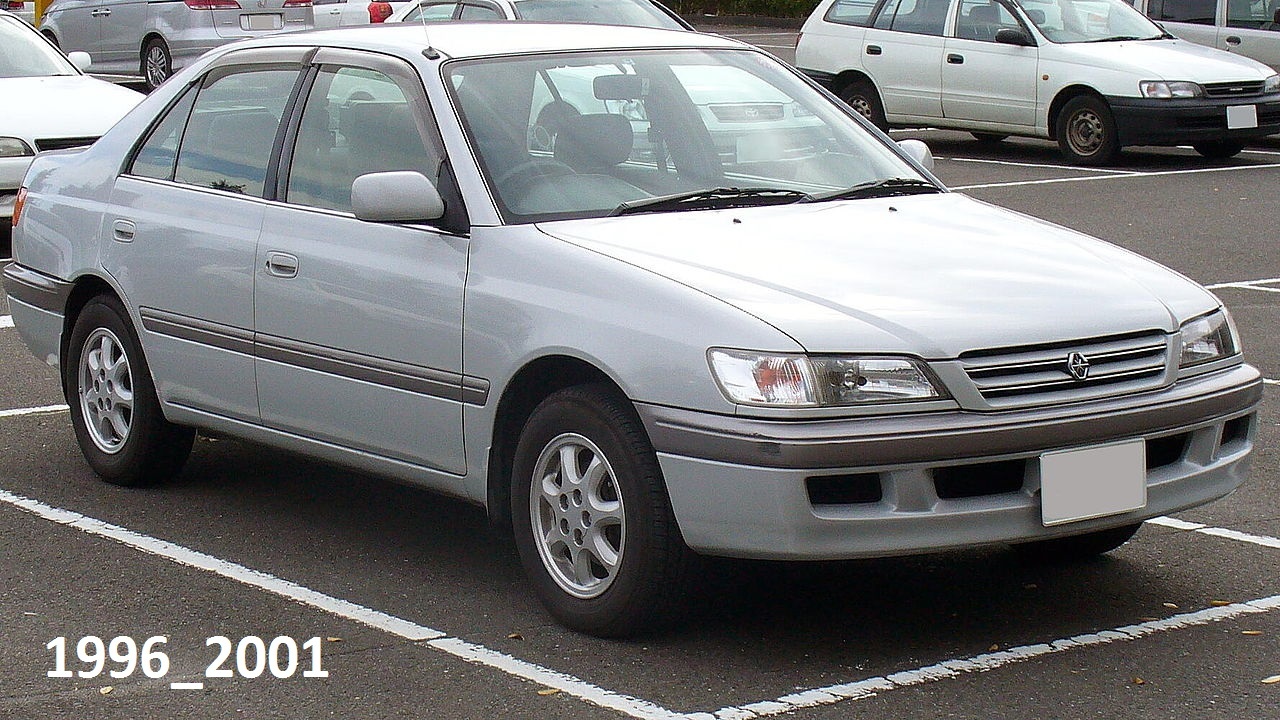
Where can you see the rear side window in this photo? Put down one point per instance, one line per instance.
(479, 12)
(923, 17)
(1259, 15)
(229, 138)
(157, 156)
(1199, 12)
(851, 12)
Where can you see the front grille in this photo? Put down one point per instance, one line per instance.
(44, 144)
(747, 112)
(1041, 373)
(1233, 89)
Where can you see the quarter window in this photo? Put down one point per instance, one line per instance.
(851, 12)
(157, 156)
(356, 121)
(437, 12)
(228, 141)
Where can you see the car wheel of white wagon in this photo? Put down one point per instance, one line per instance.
(592, 520)
(861, 95)
(114, 411)
(1077, 547)
(1087, 131)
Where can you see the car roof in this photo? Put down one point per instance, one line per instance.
(463, 39)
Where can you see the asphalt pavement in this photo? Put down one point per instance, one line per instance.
(420, 612)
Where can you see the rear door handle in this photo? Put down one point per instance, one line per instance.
(873, 50)
(955, 59)
(123, 230)
(1233, 40)
(282, 264)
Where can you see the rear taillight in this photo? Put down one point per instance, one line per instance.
(17, 205)
(379, 11)
(212, 4)
(14, 5)
(297, 3)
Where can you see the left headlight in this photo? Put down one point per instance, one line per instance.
(1160, 89)
(14, 147)
(1271, 84)
(751, 378)
(1208, 338)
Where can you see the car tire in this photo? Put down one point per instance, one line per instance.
(157, 63)
(1077, 547)
(1219, 149)
(861, 95)
(1086, 131)
(114, 409)
(51, 38)
(591, 517)
(987, 138)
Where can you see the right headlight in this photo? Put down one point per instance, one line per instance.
(777, 380)
(14, 147)
(1208, 338)
(1271, 84)
(1164, 90)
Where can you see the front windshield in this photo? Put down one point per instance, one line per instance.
(637, 13)
(1082, 21)
(586, 134)
(23, 53)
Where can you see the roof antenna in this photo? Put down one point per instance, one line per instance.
(428, 52)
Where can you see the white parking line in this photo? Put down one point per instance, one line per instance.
(1094, 178)
(1248, 284)
(1050, 166)
(33, 410)
(6, 321)
(1269, 381)
(343, 608)
(1177, 524)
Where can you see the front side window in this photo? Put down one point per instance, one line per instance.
(356, 121)
(981, 19)
(23, 53)
(590, 134)
(228, 141)
(1083, 21)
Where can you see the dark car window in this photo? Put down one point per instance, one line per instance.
(479, 12)
(228, 141)
(980, 19)
(156, 157)
(851, 12)
(431, 12)
(1200, 12)
(924, 17)
(356, 121)
(636, 13)
(1252, 15)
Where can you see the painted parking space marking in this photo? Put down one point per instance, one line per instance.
(1177, 524)
(1269, 381)
(1137, 175)
(43, 409)
(1260, 285)
(6, 321)
(1049, 166)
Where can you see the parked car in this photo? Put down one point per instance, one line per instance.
(636, 13)
(343, 13)
(49, 103)
(1095, 75)
(1246, 27)
(24, 10)
(779, 357)
(155, 37)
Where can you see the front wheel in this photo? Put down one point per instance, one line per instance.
(157, 63)
(114, 410)
(1077, 547)
(1087, 131)
(592, 520)
(861, 95)
(1219, 149)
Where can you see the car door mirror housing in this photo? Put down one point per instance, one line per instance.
(919, 152)
(80, 59)
(1013, 36)
(396, 197)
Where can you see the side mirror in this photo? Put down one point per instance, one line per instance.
(395, 197)
(1013, 36)
(918, 152)
(80, 59)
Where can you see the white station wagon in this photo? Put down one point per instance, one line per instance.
(348, 244)
(1096, 75)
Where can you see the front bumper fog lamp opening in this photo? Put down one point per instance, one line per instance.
(856, 489)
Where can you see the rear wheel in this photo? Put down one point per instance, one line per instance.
(157, 63)
(592, 520)
(1087, 131)
(1077, 547)
(114, 410)
(1219, 149)
(861, 95)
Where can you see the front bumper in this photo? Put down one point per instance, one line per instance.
(1140, 121)
(744, 487)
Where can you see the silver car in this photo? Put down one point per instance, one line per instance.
(152, 38)
(342, 243)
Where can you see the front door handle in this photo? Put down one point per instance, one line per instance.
(955, 59)
(123, 230)
(873, 50)
(101, 12)
(1233, 40)
(282, 264)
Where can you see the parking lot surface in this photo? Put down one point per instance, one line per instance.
(421, 611)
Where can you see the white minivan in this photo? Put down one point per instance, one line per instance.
(1095, 75)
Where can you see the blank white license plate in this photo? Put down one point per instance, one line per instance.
(262, 22)
(1092, 482)
(1242, 116)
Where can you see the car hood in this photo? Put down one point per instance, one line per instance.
(930, 275)
(1168, 60)
(62, 106)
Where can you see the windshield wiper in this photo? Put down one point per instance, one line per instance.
(1118, 38)
(710, 198)
(880, 188)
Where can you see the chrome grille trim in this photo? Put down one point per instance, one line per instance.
(1234, 89)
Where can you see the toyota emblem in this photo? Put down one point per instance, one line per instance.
(1078, 365)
